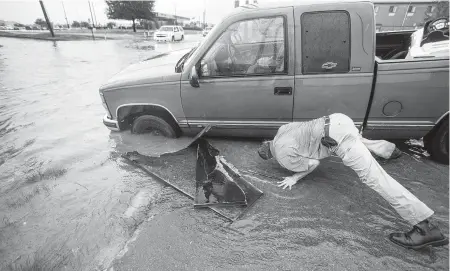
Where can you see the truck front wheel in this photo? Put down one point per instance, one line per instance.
(148, 123)
(437, 145)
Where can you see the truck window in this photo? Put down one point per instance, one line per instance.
(249, 47)
(325, 42)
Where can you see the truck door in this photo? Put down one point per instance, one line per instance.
(334, 60)
(246, 83)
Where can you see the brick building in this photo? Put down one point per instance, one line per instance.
(401, 14)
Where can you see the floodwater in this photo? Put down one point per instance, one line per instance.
(69, 201)
(63, 186)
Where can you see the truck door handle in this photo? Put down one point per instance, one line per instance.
(282, 91)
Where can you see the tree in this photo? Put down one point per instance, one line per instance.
(130, 10)
(440, 10)
(76, 24)
(110, 25)
(40, 22)
(84, 24)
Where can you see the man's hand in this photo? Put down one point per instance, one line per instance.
(288, 182)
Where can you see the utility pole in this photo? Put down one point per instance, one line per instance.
(65, 15)
(95, 16)
(92, 29)
(49, 25)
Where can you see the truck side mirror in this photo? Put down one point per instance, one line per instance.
(194, 78)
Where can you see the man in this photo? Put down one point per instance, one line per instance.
(299, 146)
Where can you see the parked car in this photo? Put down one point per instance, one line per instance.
(206, 31)
(169, 33)
(263, 67)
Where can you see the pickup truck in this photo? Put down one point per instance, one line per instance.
(266, 66)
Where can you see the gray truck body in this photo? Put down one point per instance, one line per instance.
(391, 98)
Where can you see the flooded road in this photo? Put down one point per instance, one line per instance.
(69, 201)
(62, 185)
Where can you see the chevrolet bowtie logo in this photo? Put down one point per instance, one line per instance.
(329, 65)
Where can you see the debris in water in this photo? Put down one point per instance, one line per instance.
(227, 192)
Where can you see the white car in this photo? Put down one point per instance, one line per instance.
(169, 33)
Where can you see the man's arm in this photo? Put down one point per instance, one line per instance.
(290, 181)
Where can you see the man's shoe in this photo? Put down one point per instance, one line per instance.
(396, 154)
(422, 235)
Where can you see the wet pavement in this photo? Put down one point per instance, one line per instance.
(328, 221)
(65, 188)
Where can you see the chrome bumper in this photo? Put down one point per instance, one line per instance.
(112, 125)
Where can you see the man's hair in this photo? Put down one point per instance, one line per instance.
(264, 150)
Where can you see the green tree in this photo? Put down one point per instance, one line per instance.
(440, 10)
(84, 24)
(40, 22)
(76, 24)
(130, 10)
(110, 24)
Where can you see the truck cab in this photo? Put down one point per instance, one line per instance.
(266, 66)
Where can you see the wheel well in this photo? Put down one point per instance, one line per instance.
(431, 133)
(127, 114)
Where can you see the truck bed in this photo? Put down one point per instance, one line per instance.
(388, 44)
(409, 97)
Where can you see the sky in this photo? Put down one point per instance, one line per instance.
(27, 11)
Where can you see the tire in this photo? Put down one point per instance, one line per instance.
(437, 146)
(148, 123)
(182, 37)
(173, 38)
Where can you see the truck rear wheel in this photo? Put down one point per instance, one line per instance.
(437, 145)
(148, 123)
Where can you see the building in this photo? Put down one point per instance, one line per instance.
(402, 15)
(169, 19)
(238, 3)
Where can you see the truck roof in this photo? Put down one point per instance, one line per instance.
(290, 3)
(293, 3)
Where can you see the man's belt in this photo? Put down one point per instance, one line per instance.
(327, 141)
(327, 126)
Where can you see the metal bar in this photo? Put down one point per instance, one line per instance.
(406, 14)
(173, 186)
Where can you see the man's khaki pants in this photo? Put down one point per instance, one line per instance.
(355, 153)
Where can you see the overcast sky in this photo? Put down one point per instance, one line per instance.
(26, 11)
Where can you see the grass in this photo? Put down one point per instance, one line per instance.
(81, 34)
(44, 36)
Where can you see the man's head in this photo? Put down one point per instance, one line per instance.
(264, 150)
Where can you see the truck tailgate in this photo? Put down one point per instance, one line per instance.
(409, 97)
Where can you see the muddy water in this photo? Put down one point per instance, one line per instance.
(62, 185)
